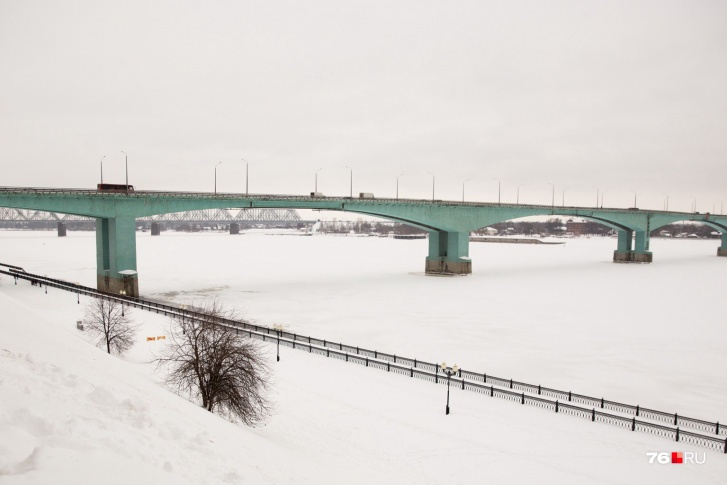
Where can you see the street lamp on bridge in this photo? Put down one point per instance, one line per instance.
(430, 173)
(498, 189)
(596, 196)
(350, 193)
(102, 168)
(552, 197)
(463, 188)
(126, 162)
(450, 371)
(397, 185)
(602, 197)
(247, 175)
(216, 178)
(563, 198)
(316, 184)
(517, 199)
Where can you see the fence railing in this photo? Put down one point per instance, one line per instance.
(542, 397)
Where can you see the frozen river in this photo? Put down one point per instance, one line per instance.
(563, 316)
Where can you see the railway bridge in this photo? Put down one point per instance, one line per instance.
(448, 223)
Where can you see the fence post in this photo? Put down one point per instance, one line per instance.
(388, 367)
(356, 350)
(569, 395)
(436, 378)
(484, 376)
(601, 403)
(492, 391)
(677, 434)
(376, 354)
(328, 352)
(637, 409)
(523, 398)
(346, 356)
(593, 414)
(394, 358)
(367, 361)
(415, 362)
(460, 372)
(340, 346)
(310, 348)
(676, 417)
(717, 432)
(295, 337)
(725, 445)
(324, 343)
(538, 389)
(556, 405)
(463, 384)
(412, 371)
(633, 424)
(510, 383)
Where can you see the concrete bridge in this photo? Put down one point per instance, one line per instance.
(448, 223)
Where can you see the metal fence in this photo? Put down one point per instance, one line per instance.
(508, 389)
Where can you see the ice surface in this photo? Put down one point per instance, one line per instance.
(561, 315)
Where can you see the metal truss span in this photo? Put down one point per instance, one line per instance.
(208, 215)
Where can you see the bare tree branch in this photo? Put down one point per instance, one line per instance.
(107, 320)
(225, 371)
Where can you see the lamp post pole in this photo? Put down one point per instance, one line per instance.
(450, 371)
(463, 188)
(596, 196)
(498, 189)
(666, 202)
(397, 185)
(278, 330)
(247, 175)
(517, 200)
(316, 185)
(563, 198)
(635, 194)
(350, 191)
(552, 197)
(216, 178)
(102, 168)
(430, 173)
(602, 193)
(126, 158)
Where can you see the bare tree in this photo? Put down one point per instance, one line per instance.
(108, 320)
(225, 371)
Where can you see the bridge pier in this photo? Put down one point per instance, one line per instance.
(628, 252)
(116, 255)
(722, 250)
(61, 229)
(448, 253)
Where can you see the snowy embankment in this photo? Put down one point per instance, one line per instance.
(71, 414)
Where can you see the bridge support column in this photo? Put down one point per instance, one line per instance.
(61, 229)
(627, 252)
(234, 228)
(116, 253)
(156, 229)
(448, 253)
(722, 250)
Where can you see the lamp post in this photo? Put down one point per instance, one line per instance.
(350, 192)
(430, 173)
(602, 197)
(102, 168)
(279, 331)
(563, 197)
(397, 185)
(450, 371)
(552, 197)
(517, 200)
(316, 184)
(596, 196)
(123, 294)
(247, 175)
(216, 178)
(694, 204)
(463, 188)
(666, 202)
(498, 190)
(126, 163)
(635, 194)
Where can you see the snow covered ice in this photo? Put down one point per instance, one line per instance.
(563, 316)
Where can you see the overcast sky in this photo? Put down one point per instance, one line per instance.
(623, 96)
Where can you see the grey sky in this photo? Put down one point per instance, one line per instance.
(616, 95)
